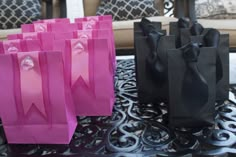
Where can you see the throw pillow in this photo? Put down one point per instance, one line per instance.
(215, 9)
(127, 9)
(17, 12)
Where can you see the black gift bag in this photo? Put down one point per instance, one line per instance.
(150, 88)
(222, 59)
(197, 33)
(191, 79)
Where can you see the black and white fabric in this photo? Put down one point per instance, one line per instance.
(17, 12)
(216, 9)
(127, 9)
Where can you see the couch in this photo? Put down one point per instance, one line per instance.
(50, 8)
(123, 30)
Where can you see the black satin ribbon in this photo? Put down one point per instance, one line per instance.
(194, 87)
(182, 23)
(154, 63)
(212, 39)
(146, 26)
(196, 29)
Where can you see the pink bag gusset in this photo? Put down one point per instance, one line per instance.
(15, 46)
(36, 103)
(90, 77)
(94, 18)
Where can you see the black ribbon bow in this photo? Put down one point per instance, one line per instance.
(182, 23)
(146, 26)
(153, 61)
(196, 29)
(211, 39)
(195, 87)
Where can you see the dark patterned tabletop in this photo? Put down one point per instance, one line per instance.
(137, 130)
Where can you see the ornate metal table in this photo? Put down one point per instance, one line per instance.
(137, 130)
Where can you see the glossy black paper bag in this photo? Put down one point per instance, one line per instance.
(191, 106)
(222, 83)
(150, 89)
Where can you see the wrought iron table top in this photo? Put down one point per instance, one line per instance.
(137, 130)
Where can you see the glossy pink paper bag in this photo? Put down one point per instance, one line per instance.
(50, 27)
(56, 20)
(45, 38)
(94, 18)
(88, 68)
(100, 34)
(15, 46)
(36, 103)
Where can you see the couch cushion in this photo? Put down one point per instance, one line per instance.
(127, 10)
(15, 13)
(5, 33)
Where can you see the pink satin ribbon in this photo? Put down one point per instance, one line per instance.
(12, 46)
(40, 27)
(31, 82)
(79, 60)
(84, 34)
(89, 24)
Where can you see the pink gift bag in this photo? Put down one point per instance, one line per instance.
(36, 103)
(45, 38)
(56, 20)
(87, 66)
(97, 34)
(15, 46)
(94, 18)
(50, 27)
